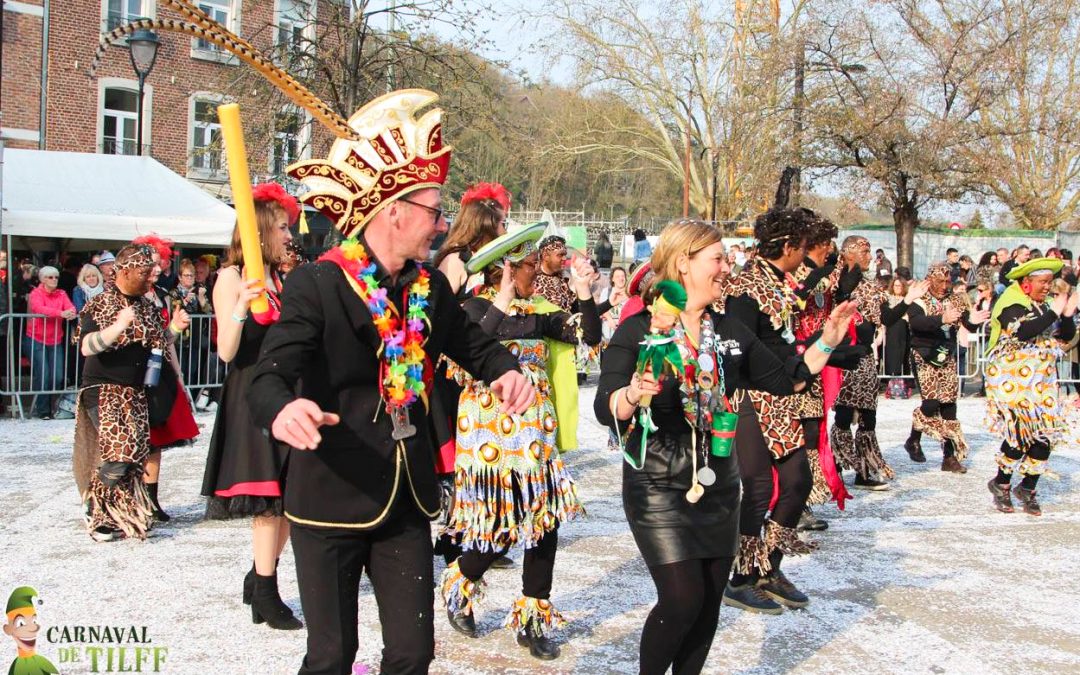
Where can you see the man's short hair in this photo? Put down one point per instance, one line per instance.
(950, 251)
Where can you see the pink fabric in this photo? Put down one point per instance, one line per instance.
(47, 331)
(265, 488)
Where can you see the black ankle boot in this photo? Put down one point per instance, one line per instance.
(540, 647)
(249, 584)
(914, 449)
(267, 606)
(159, 514)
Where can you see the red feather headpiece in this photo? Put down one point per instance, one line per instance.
(160, 244)
(482, 191)
(273, 192)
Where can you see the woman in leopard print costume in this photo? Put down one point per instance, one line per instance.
(933, 322)
(118, 329)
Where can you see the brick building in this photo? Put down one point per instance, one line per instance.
(49, 101)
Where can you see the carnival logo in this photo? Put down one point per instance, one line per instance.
(23, 626)
(94, 649)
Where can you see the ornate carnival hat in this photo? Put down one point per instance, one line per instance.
(1036, 266)
(397, 153)
(516, 245)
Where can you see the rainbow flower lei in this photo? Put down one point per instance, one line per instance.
(405, 367)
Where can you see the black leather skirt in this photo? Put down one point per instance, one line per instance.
(666, 527)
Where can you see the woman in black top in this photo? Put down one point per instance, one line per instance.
(689, 547)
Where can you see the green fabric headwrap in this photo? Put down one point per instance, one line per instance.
(1013, 295)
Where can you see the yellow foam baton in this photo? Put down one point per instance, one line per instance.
(240, 179)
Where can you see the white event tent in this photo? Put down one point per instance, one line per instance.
(94, 201)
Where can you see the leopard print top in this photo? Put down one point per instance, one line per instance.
(556, 289)
(147, 327)
(868, 298)
(774, 297)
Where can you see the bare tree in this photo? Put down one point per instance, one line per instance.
(908, 116)
(1029, 155)
(709, 70)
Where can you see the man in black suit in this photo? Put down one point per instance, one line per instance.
(360, 486)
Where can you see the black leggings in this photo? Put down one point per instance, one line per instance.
(680, 628)
(755, 470)
(845, 415)
(536, 572)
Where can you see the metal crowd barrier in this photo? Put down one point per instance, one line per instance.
(32, 369)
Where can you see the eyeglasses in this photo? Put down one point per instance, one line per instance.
(438, 212)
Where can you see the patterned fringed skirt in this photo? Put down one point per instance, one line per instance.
(511, 485)
(1022, 404)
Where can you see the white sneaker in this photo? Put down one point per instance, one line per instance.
(202, 401)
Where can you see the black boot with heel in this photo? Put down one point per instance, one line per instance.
(267, 605)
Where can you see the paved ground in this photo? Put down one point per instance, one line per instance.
(925, 578)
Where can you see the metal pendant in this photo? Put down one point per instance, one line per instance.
(706, 476)
(403, 428)
(819, 299)
(705, 362)
(788, 336)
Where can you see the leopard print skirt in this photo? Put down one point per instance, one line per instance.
(937, 383)
(122, 434)
(860, 387)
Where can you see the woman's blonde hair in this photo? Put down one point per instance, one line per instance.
(87, 269)
(683, 237)
(267, 214)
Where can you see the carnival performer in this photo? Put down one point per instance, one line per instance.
(859, 391)
(681, 486)
(815, 287)
(933, 321)
(345, 375)
(763, 297)
(481, 219)
(172, 422)
(1022, 381)
(550, 281)
(510, 482)
(118, 330)
(244, 467)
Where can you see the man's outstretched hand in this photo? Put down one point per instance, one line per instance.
(514, 391)
(298, 424)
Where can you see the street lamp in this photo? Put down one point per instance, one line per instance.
(143, 45)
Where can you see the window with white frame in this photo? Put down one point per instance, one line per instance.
(119, 127)
(290, 139)
(220, 11)
(119, 12)
(207, 151)
(294, 19)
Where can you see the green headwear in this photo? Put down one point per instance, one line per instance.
(672, 296)
(21, 598)
(1014, 295)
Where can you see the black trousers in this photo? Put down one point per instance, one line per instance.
(536, 571)
(397, 557)
(755, 469)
